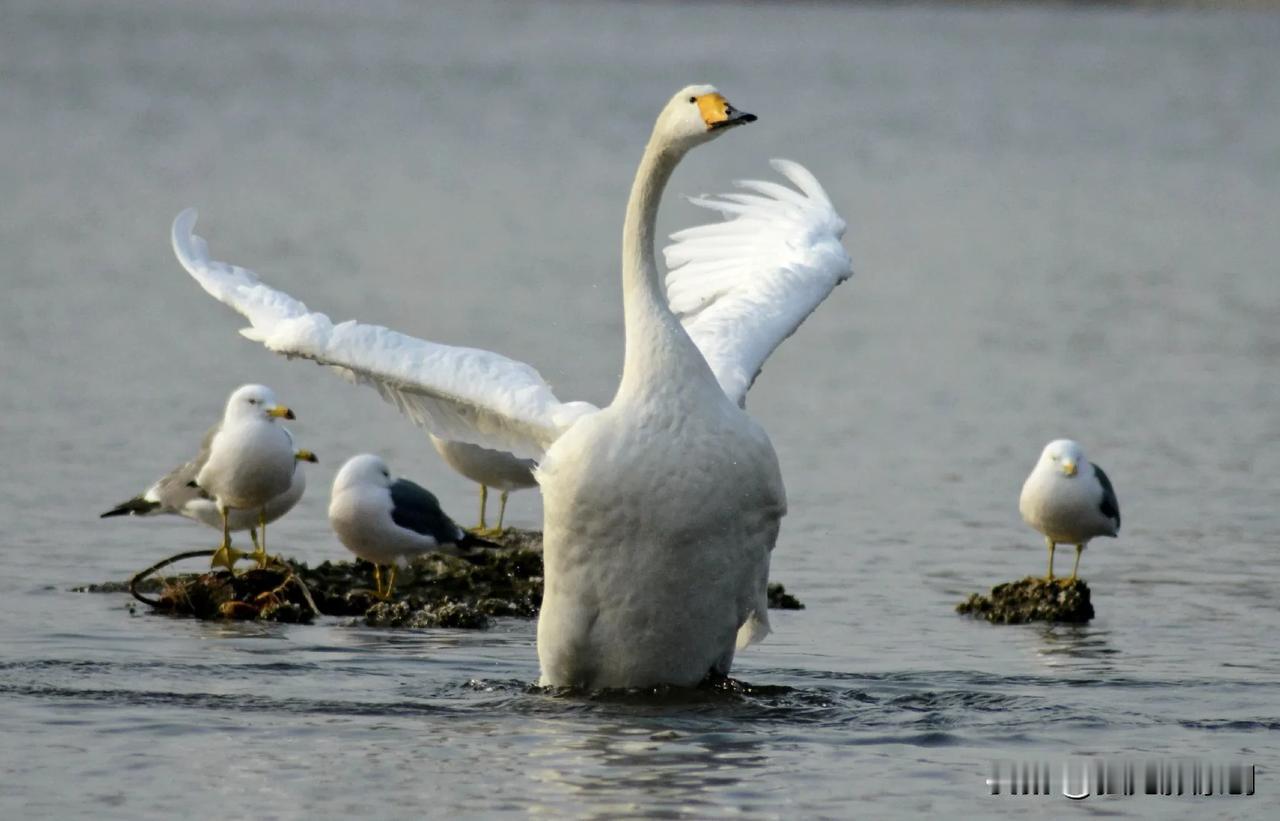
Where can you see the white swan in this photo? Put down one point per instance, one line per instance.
(705, 263)
(661, 509)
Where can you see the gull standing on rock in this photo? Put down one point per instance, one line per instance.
(488, 468)
(173, 495)
(1069, 500)
(385, 521)
(251, 461)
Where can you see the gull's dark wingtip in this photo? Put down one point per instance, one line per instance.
(136, 506)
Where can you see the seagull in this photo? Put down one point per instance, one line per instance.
(173, 494)
(490, 469)
(250, 461)
(661, 510)
(1069, 500)
(385, 521)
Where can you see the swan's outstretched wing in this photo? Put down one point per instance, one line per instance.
(463, 394)
(744, 285)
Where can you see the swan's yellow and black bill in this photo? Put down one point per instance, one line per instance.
(281, 412)
(306, 456)
(717, 113)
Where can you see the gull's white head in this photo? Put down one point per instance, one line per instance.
(1064, 455)
(695, 115)
(364, 469)
(248, 401)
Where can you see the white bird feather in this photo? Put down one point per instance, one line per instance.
(741, 287)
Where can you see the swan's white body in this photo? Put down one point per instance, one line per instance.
(652, 576)
(660, 511)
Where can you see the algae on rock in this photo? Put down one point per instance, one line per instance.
(780, 599)
(435, 590)
(1032, 599)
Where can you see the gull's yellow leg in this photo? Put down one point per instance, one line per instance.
(226, 555)
(1075, 568)
(502, 511)
(1049, 542)
(260, 547)
(391, 581)
(484, 503)
(253, 537)
(377, 582)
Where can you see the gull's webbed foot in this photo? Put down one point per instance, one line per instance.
(226, 556)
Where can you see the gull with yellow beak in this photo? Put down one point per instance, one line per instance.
(251, 461)
(173, 495)
(388, 521)
(1069, 500)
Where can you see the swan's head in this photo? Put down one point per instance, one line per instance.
(363, 470)
(1063, 455)
(697, 114)
(249, 401)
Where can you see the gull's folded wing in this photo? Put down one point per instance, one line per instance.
(464, 394)
(742, 286)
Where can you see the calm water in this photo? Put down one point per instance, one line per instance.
(1064, 223)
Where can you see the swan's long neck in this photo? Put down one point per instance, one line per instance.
(659, 353)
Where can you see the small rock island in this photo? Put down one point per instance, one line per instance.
(435, 590)
(1034, 598)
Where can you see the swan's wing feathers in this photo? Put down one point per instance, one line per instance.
(803, 179)
(464, 394)
(744, 285)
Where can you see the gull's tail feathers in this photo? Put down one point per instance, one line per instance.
(137, 506)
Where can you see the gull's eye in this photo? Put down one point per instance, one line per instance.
(693, 99)
(252, 401)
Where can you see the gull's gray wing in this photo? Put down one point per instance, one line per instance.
(1110, 505)
(173, 490)
(415, 508)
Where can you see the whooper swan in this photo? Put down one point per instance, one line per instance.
(661, 509)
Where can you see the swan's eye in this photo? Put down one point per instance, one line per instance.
(693, 99)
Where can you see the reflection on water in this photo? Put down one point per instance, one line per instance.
(623, 769)
(1077, 648)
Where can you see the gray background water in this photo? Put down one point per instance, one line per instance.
(1064, 222)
